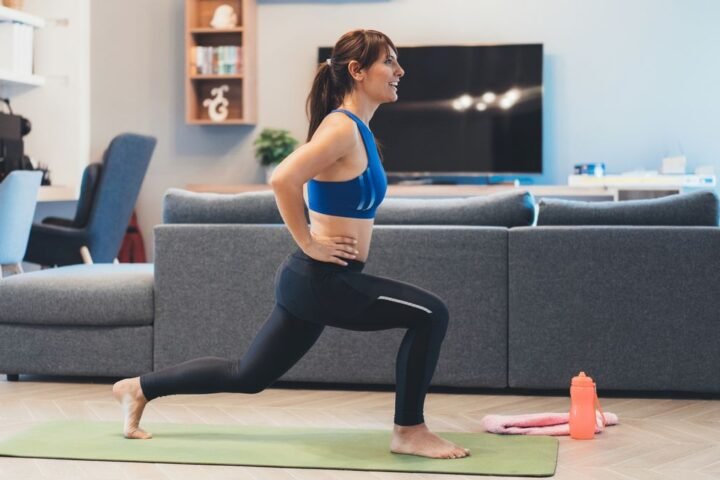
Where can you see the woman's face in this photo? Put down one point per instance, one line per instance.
(382, 77)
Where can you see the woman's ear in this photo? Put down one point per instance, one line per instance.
(355, 71)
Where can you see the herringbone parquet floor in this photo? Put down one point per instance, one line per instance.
(676, 439)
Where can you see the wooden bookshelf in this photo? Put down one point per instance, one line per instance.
(200, 31)
(240, 80)
(215, 77)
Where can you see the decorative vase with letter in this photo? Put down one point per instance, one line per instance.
(217, 106)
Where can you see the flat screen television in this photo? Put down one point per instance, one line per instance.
(463, 110)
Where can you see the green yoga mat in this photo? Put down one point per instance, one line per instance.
(330, 448)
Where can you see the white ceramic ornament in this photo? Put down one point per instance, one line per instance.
(224, 17)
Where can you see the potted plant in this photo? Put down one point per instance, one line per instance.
(271, 147)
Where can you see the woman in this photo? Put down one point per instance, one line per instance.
(322, 282)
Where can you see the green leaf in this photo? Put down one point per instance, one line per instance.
(273, 145)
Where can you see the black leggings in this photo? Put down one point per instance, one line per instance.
(310, 295)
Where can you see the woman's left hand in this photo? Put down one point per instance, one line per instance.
(331, 249)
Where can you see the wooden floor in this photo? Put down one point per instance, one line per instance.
(675, 439)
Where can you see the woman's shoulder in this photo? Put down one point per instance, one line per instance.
(337, 117)
(337, 126)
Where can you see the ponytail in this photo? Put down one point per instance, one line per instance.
(322, 99)
(332, 79)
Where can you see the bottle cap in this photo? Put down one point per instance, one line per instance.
(582, 380)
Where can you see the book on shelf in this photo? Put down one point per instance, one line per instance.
(221, 60)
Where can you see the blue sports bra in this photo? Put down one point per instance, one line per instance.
(358, 197)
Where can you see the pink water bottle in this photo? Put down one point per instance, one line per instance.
(583, 398)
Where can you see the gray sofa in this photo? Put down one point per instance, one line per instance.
(78, 320)
(216, 257)
(638, 307)
(530, 306)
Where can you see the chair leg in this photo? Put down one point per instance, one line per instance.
(18, 268)
(85, 254)
(13, 377)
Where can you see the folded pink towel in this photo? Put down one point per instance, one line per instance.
(538, 423)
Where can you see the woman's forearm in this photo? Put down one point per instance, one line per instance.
(291, 204)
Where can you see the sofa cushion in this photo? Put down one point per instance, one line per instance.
(182, 206)
(689, 209)
(507, 209)
(80, 295)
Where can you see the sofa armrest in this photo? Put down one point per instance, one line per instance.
(467, 267)
(635, 307)
(214, 287)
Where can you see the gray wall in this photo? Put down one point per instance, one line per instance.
(626, 83)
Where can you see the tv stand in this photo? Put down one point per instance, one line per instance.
(450, 180)
(439, 191)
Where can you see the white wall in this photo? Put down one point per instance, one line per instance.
(137, 73)
(625, 82)
(59, 110)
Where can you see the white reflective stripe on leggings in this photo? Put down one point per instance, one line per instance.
(405, 303)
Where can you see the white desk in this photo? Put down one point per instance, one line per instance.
(55, 201)
(57, 193)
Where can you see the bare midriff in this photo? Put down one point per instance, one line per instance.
(333, 226)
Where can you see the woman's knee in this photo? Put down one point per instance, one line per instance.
(439, 314)
(251, 388)
(243, 381)
(249, 385)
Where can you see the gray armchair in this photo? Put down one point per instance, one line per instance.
(104, 209)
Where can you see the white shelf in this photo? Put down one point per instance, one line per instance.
(14, 78)
(9, 78)
(12, 15)
(642, 181)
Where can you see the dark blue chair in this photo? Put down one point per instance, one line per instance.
(88, 187)
(107, 199)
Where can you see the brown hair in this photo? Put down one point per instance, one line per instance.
(332, 82)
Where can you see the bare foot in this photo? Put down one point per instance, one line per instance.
(418, 440)
(130, 396)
